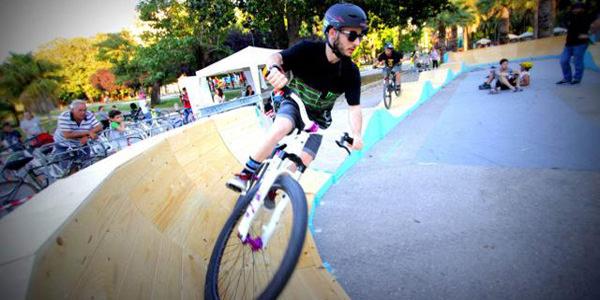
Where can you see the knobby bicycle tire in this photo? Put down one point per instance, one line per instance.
(292, 252)
(387, 95)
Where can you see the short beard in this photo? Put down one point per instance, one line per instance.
(336, 45)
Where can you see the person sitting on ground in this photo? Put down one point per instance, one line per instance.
(249, 91)
(11, 138)
(505, 79)
(524, 76)
(30, 125)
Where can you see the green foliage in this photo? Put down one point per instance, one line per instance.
(29, 81)
(78, 60)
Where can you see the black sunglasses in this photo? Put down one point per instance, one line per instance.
(353, 35)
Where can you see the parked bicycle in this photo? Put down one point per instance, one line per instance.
(257, 250)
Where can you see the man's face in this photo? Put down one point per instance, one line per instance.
(504, 65)
(345, 46)
(7, 128)
(388, 51)
(27, 115)
(79, 111)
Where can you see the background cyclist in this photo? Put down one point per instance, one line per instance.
(392, 61)
(322, 71)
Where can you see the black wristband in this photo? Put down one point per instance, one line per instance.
(278, 67)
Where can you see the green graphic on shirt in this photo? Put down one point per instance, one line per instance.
(313, 99)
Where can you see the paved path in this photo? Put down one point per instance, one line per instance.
(475, 196)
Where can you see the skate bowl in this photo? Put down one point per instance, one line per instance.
(142, 223)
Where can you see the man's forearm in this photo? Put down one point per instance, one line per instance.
(75, 135)
(356, 120)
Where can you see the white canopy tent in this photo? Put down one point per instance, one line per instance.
(247, 60)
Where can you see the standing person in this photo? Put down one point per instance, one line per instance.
(322, 72)
(102, 116)
(219, 96)
(577, 42)
(392, 61)
(30, 125)
(187, 106)
(435, 58)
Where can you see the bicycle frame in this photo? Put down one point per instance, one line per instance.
(276, 167)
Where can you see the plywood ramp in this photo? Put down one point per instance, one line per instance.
(534, 48)
(147, 229)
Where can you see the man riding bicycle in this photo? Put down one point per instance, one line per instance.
(322, 71)
(392, 61)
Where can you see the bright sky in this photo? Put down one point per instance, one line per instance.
(27, 24)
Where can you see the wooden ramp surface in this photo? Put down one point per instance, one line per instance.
(146, 227)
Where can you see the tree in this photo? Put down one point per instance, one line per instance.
(78, 60)
(29, 81)
(545, 18)
(457, 14)
(105, 81)
(163, 62)
(119, 49)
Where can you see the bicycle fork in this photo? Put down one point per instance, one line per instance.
(261, 241)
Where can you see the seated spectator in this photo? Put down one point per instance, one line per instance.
(136, 112)
(249, 91)
(116, 134)
(116, 121)
(11, 138)
(504, 77)
(219, 97)
(524, 76)
(102, 117)
(75, 127)
(30, 125)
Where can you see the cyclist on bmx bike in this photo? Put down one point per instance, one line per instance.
(322, 71)
(392, 61)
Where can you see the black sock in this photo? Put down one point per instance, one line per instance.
(251, 166)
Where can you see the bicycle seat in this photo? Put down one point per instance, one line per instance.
(18, 163)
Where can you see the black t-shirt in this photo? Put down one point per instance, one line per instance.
(578, 24)
(307, 61)
(390, 61)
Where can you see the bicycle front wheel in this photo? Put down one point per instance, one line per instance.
(241, 271)
(387, 95)
(13, 194)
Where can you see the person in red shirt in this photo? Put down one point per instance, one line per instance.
(187, 106)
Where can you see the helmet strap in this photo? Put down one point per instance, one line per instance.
(335, 47)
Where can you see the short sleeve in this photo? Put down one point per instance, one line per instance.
(352, 92)
(292, 57)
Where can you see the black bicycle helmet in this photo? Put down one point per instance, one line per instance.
(345, 15)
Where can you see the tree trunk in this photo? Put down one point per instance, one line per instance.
(504, 25)
(545, 22)
(293, 26)
(466, 38)
(442, 36)
(155, 94)
(280, 31)
(454, 38)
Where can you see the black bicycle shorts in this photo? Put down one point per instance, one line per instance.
(289, 110)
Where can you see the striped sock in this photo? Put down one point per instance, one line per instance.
(251, 166)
